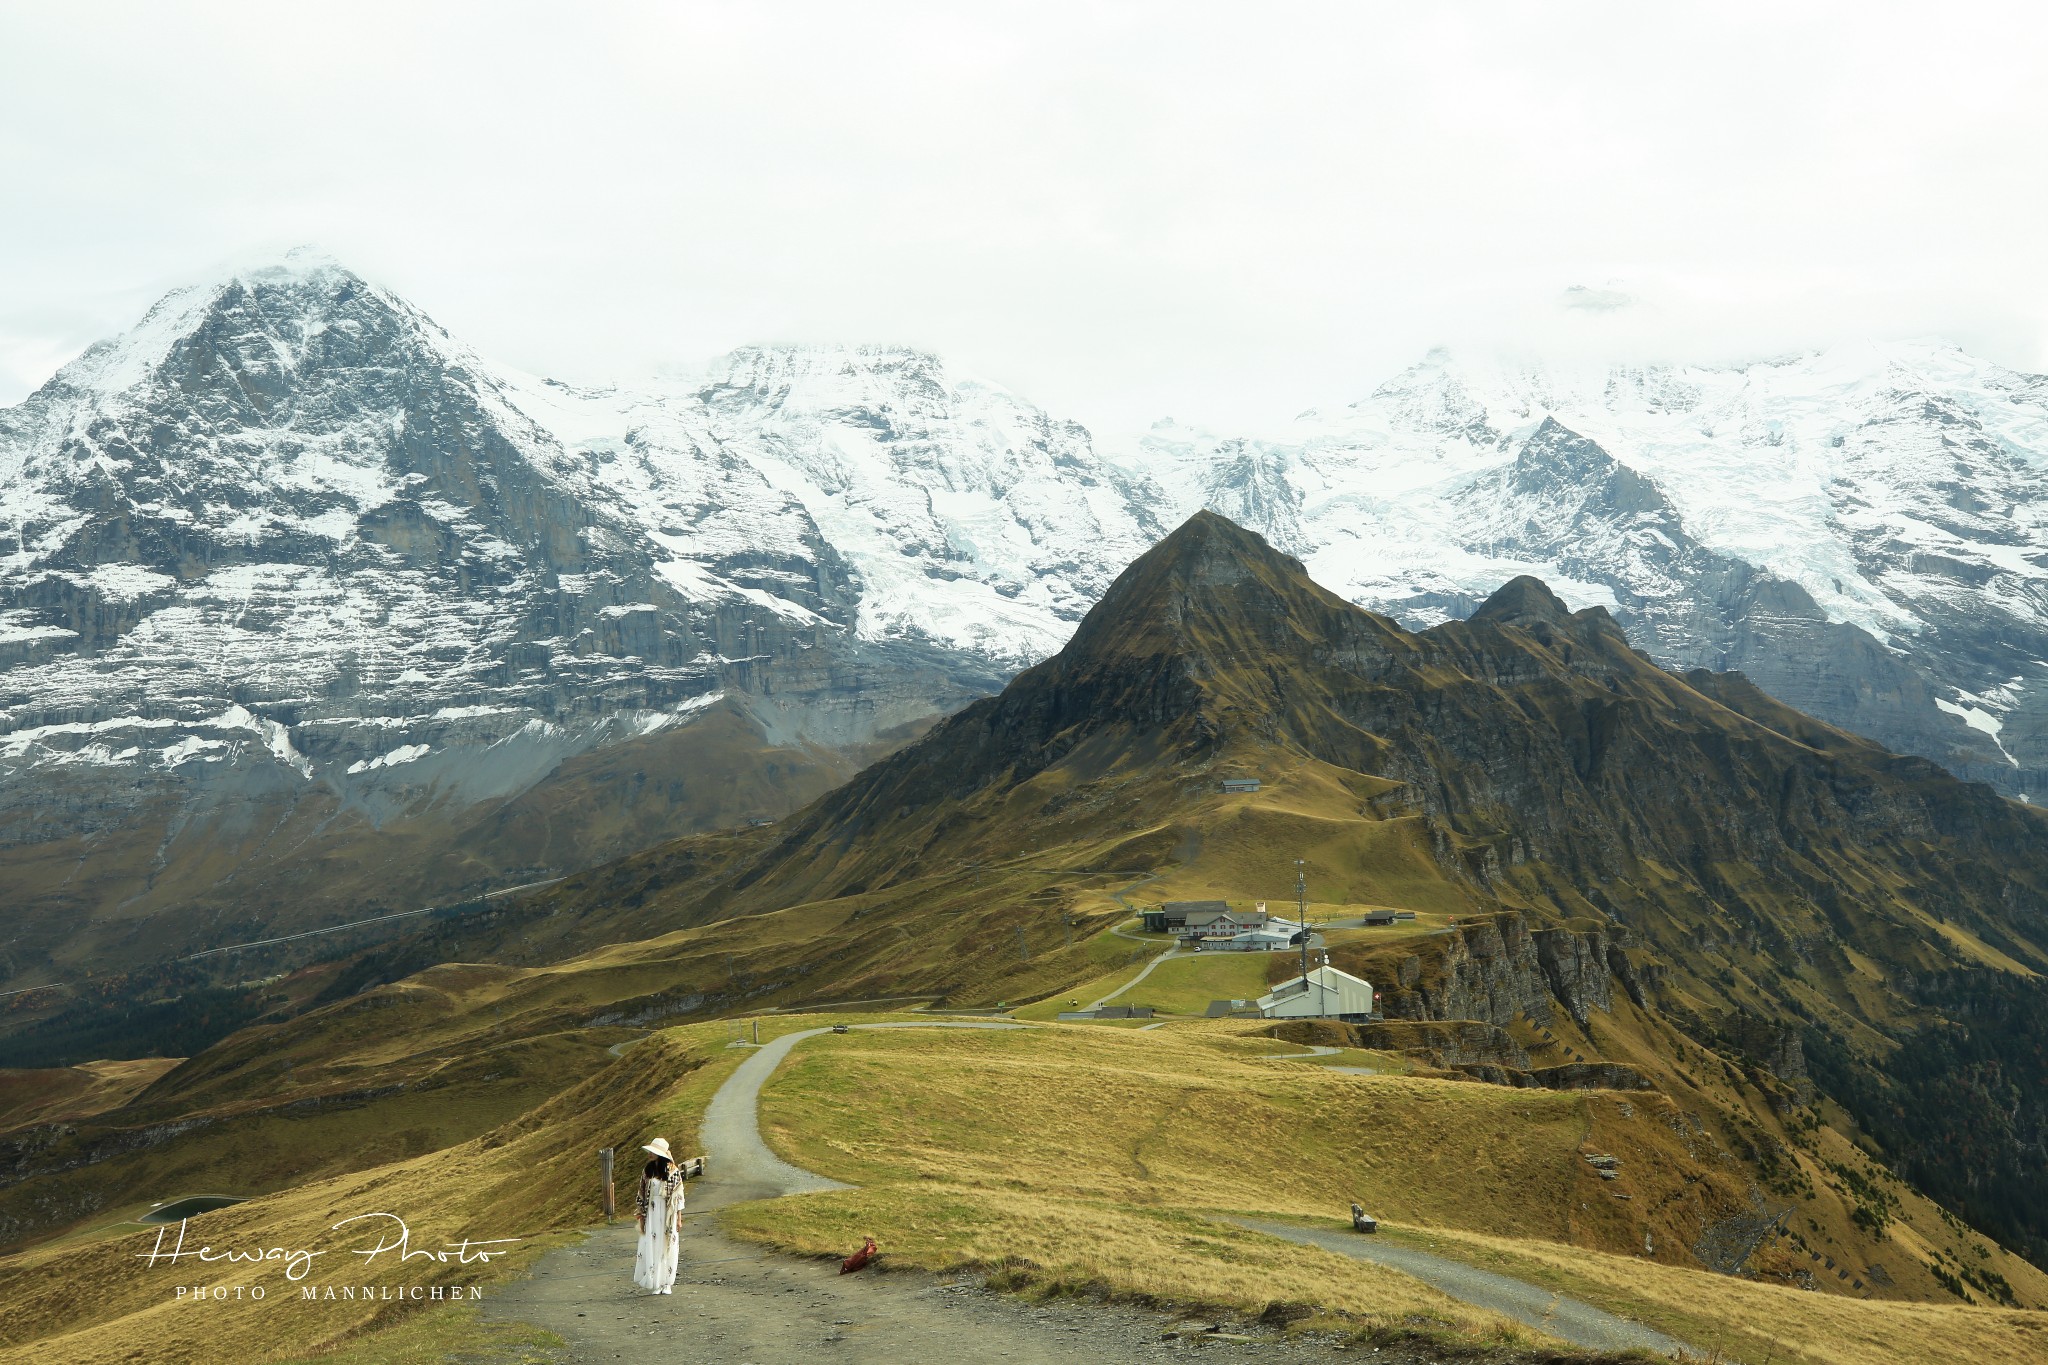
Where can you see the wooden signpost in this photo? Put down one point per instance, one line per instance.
(691, 1167)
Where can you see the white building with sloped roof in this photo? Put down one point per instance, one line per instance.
(1324, 993)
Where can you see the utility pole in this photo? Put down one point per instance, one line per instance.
(1301, 914)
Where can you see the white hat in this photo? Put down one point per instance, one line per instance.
(659, 1147)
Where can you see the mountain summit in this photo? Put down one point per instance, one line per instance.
(1546, 762)
(1523, 600)
(1722, 864)
(1857, 530)
(1208, 583)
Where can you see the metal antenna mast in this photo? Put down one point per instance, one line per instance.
(1301, 914)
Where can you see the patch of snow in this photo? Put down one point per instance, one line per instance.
(191, 748)
(404, 753)
(1977, 718)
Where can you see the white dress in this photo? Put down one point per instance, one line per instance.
(661, 1208)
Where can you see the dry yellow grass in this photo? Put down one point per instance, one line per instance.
(1101, 1156)
(91, 1302)
(1751, 1321)
(56, 1094)
(1184, 1117)
(1057, 1244)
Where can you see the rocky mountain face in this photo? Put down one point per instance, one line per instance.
(287, 562)
(1498, 970)
(1859, 531)
(287, 572)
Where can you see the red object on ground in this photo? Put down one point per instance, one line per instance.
(858, 1259)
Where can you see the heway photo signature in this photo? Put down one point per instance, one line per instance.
(392, 1236)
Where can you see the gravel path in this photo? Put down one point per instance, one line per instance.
(1132, 984)
(738, 1304)
(1579, 1323)
(740, 1165)
(1123, 897)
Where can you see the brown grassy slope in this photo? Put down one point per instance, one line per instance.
(58, 1094)
(522, 1179)
(1103, 1156)
(449, 1052)
(1200, 1118)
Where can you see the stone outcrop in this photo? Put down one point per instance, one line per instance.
(1497, 969)
(1591, 1076)
(1571, 1076)
(1446, 1044)
(1575, 968)
(1772, 1048)
(1486, 970)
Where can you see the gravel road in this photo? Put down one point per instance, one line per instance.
(741, 1166)
(1579, 1323)
(737, 1304)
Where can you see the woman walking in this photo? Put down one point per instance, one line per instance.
(661, 1211)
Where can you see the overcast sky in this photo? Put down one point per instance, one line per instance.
(1122, 210)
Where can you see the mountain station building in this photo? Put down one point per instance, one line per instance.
(1212, 926)
(1172, 917)
(1324, 993)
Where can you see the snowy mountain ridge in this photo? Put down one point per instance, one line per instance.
(289, 519)
(1885, 490)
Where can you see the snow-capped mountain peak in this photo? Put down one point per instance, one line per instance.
(288, 491)
(1882, 488)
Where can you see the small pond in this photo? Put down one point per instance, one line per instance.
(189, 1207)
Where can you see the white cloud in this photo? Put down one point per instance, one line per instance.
(1223, 211)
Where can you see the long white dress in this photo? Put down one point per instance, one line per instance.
(661, 1208)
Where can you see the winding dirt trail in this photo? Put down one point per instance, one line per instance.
(1579, 1323)
(1132, 984)
(738, 1304)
